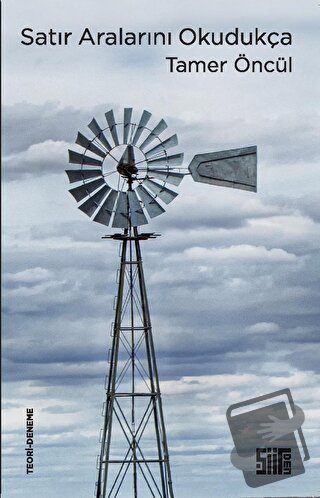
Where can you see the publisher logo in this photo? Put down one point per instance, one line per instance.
(265, 431)
(273, 461)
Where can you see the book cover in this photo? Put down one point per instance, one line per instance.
(233, 280)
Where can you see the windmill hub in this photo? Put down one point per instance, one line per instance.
(126, 166)
(127, 170)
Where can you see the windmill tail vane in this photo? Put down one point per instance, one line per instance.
(124, 177)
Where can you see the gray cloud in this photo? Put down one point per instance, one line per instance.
(27, 124)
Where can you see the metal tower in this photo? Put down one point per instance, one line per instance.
(133, 409)
(134, 459)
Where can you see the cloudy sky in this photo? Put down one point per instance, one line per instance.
(233, 280)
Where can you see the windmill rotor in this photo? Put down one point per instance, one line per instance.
(133, 157)
(125, 173)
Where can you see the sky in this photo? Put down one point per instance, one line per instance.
(233, 280)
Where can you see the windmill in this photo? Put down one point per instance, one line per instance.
(124, 177)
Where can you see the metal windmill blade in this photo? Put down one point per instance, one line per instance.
(153, 135)
(105, 211)
(151, 205)
(170, 161)
(92, 203)
(76, 158)
(83, 191)
(141, 126)
(136, 210)
(87, 144)
(99, 135)
(170, 142)
(165, 194)
(166, 176)
(121, 215)
(112, 126)
(127, 116)
(78, 175)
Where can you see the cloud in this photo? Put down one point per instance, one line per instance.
(264, 327)
(310, 205)
(57, 409)
(39, 159)
(27, 126)
(30, 276)
(272, 135)
(241, 253)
